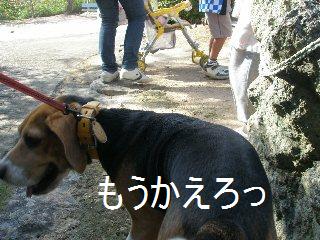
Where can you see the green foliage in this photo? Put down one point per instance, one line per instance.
(193, 16)
(20, 9)
(4, 195)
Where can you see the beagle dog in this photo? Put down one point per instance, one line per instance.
(147, 145)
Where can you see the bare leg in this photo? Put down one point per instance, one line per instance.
(210, 45)
(212, 67)
(216, 45)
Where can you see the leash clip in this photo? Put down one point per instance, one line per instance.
(79, 116)
(69, 110)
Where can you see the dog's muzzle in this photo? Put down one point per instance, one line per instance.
(11, 173)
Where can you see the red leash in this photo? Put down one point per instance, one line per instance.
(12, 83)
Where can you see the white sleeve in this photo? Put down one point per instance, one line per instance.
(237, 8)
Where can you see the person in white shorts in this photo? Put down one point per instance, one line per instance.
(219, 20)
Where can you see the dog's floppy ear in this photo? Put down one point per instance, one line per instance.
(65, 127)
(26, 119)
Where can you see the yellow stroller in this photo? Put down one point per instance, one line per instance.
(164, 21)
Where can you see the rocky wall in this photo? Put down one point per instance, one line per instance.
(285, 128)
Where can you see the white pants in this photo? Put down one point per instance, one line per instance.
(243, 69)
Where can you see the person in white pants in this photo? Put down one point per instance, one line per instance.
(244, 59)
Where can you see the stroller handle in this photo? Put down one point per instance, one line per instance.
(170, 11)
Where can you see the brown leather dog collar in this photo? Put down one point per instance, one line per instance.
(89, 130)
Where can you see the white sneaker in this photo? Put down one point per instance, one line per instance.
(133, 75)
(109, 77)
(216, 71)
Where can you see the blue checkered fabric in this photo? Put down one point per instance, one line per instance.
(213, 6)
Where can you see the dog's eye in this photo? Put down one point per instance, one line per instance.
(32, 142)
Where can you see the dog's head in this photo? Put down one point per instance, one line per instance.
(47, 149)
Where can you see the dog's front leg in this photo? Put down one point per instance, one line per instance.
(145, 227)
(146, 221)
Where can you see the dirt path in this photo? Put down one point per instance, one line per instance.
(74, 210)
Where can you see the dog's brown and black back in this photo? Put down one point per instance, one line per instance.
(177, 147)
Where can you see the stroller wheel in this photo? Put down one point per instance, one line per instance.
(195, 57)
(198, 57)
(203, 60)
(142, 65)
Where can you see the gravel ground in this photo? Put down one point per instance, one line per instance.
(58, 55)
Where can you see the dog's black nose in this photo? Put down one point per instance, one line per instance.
(2, 172)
